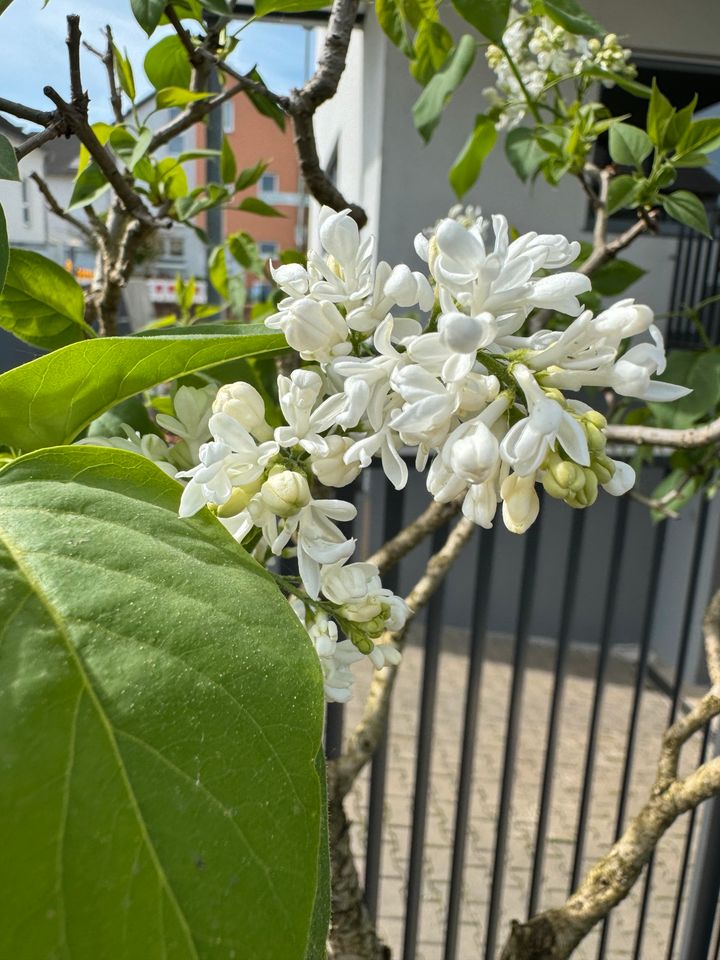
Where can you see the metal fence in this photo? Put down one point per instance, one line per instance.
(693, 923)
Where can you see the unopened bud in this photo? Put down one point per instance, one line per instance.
(239, 499)
(285, 493)
(243, 403)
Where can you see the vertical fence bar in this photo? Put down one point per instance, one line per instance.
(680, 670)
(616, 553)
(392, 524)
(527, 586)
(572, 571)
(433, 631)
(682, 876)
(478, 645)
(640, 676)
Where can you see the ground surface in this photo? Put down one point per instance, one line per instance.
(488, 769)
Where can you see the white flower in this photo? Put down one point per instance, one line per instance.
(386, 442)
(232, 459)
(358, 592)
(528, 442)
(475, 456)
(337, 674)
(316, 329)
(632, 372)
(521, 503)
(623, 479)
(623, 319)
(330, 468)
(285, 493)
(298, 395)
(243, 402)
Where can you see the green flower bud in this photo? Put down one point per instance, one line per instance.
(239, 499)
(596, 438)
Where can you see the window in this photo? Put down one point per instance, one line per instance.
(176, 246)
(268, 183)
(268, 249)
(228, 116)
(25, 203)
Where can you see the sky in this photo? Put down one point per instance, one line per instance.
(34, 52)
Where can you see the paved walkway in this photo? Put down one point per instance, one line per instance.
(488, 768)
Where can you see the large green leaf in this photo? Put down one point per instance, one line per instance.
(4, 249)
(466, 169)
(390, 17)
(427, 109)
(701, 372)
(629, 145)
(41, 303)
(8, 160)
(489, 16)
(160, 718)
(263, 7)
(524, 152)
(167, 64)
(50, 400)
(686, 208)
(571, 16)
(148, 13)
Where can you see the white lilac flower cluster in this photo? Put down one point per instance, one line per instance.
(542, 52)
(394, 360)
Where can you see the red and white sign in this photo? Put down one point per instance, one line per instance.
(163, 291)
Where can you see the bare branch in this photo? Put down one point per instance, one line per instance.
(190, 116)
(108, 61)
(42, 117)
(601, 210)
(610, 250)
(324, 82)
(711, 633)
(366, 736)
(428, 522)
(55, 208)
(38, 139)
(77, 94)
(665, 436)
(183, 35)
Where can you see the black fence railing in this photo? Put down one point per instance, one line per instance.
(692, 922)
(696, 282)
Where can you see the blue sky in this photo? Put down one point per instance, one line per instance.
(33, 51)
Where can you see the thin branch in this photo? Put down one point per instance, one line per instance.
(665, 436)
(38, 139)
(711, 633)
(601, 210)
(366, 736)
(189, 117)
(42, 117)
(428, 522)
(108, 61)
(183, 35)
(610, 250)
(55, 208)
(77, 94)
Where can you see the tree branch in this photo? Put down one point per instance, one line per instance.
(108, 61)
(38, 139)
(665, 436)
(42, 117)
(77, 94)
(555, 933)
(55, 208)
(366, 735)
(324, 82)
(428, 522)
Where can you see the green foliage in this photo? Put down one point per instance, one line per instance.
(177, 97)
(52, 399)
(629, 145)
(490, 17)
(259, 207)
(391, 17)
(622, 192)
(250, 175)
(699, 370)
(147, 13)
(4, 249)
(167, 65)
(41, 303)
(660, 113)
(701, 136)
(263, 104)
(89, 184)
(467, 167)
(429, 106)
(686, 208)
(263, 7)
(228, 165)
(615, 276)
(124, 72)
(523, 152)
(8, 160)
(153, 805)
(571, 16)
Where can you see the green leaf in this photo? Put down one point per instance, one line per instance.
(686, 208)
(141, 147)
(680, 123)
(629, 145)
(703, 136)
(263, 104)
(571, 16)
(167, 65)
(218, 272)
(432, 45)
(228, 165)
(490, 17)
(701, 372)
(524, 152)
(317, 942)
(103, 132)
(8, 160)
(41, 303)
(155, 803)
(390, 17)
(132, 411)
(89, 184)
(466, 169)
(244, 250)
(675, 480)
(258, 206)
(615, 276)
(622, 191)
(50, 400)
(263, 7)
(4, 249)
(659, 115)
(250, 175)
(177, 97)
(147, 13)
(427, 109)
(124, 71)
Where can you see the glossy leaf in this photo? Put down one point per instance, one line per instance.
(228, 164)
(629, 145)
(686, 208)
(8, 160)
(177, 97)
(147, 13)
(89, 185)
(571, 16)
(622, 191)
(660, 113)
(263, 7)
(259, 207)
(41, 303)
(167, 65)
(427, 109)
(153, 804)
(263, 104)
(124, 72)
(524, 152)
(466, 169)
(490, 17)
(250, 175)
(432, 45)
(52, 399)
(703, 136)
(392, 21)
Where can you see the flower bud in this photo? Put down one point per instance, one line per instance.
(331, 469)
(316, 330)
(243, 403)
(521, 503)
(285, 493)
(239, 499)
(623, 479)
(475, 456)
(339, 235)
(596, 438)
(292, 278)
(464, 334)
(623, 319)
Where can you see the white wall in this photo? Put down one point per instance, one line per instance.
(25, 209)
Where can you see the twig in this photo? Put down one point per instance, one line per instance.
(42, 117)
(366, 736)
(601, 210)
(183, 35)
(190, 116)
(108, 61)
(77, 94)
(428, 522)
(38, 139)
(58, 210)
(711, 633)
(665, 436)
